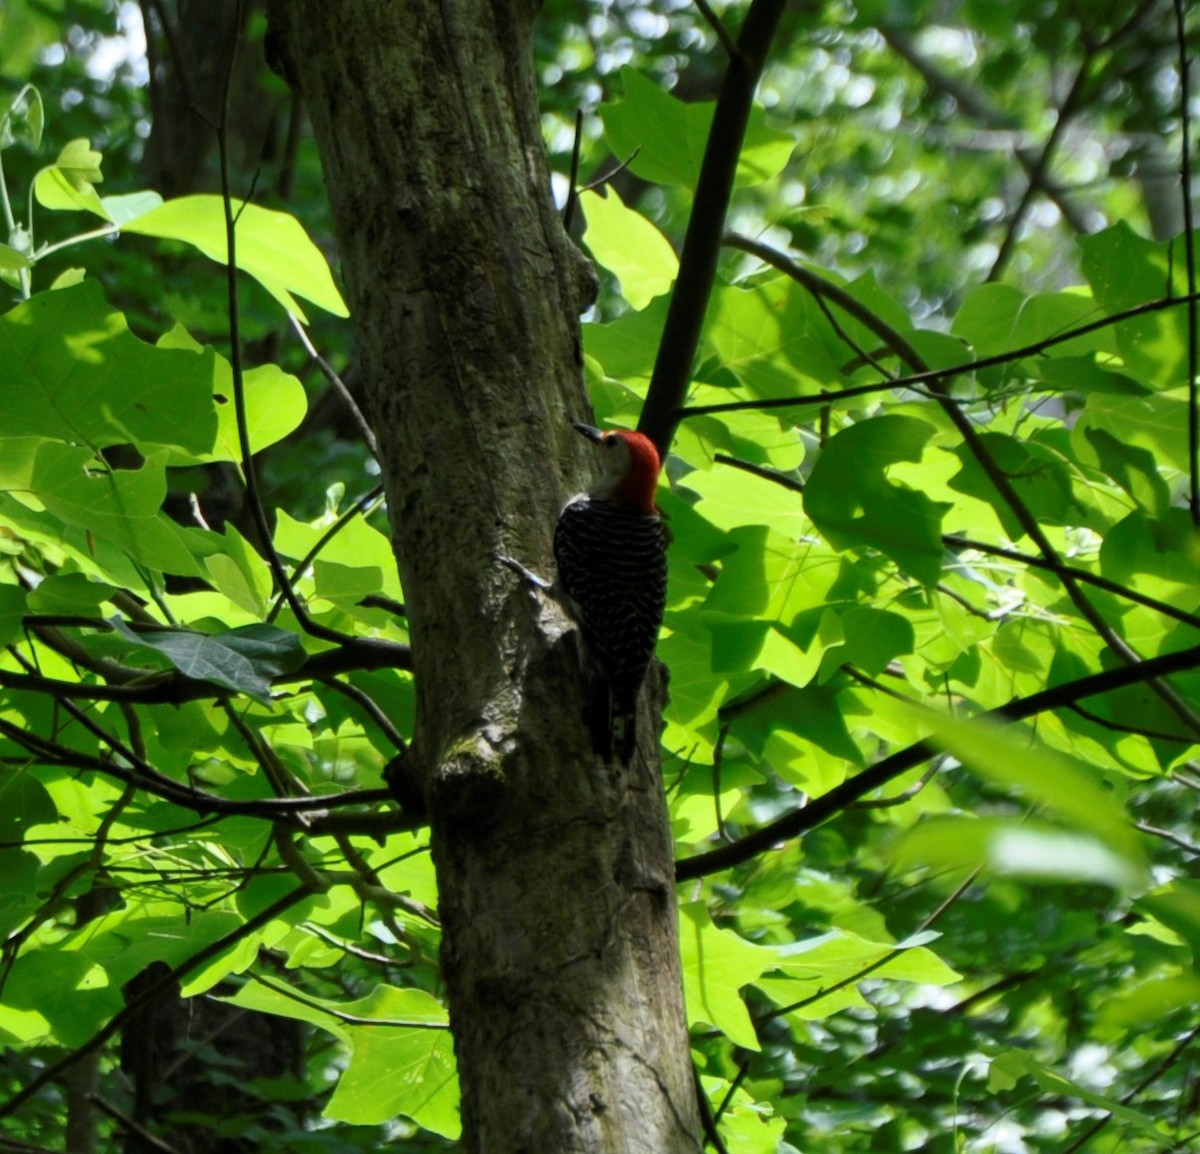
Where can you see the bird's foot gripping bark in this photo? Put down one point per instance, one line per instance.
(528, 576)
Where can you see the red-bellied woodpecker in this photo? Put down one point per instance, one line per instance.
(611, 552)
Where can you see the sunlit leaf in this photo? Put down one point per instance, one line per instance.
(716, 965)
(271, 246)
(630, 247)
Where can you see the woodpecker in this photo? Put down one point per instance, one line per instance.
(611, 551)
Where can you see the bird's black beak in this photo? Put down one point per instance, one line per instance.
(589, 431)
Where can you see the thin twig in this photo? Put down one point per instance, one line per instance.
(955, 541)
(253, 493)
(339, 386)
(145, 1138)
(1173, 838)
(708, 1122)
(1041, 167)
(722, 33)
(772, 475)
(621, 166)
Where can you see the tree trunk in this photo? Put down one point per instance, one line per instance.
(560, 952)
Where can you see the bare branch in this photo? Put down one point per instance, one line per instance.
(702, 242)
(339, 386)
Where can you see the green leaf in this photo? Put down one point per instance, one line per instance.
(69, 990)
(118, 507)
(71, 593)
(1126, 270)
(80, 162)
(852, 502)
(357, 546)
(1008, 1068)
(18, 883)
(243, 659)
(1081, 375)
(776, 339)
(74, 372)
(133, 943)
(666, 138)
(1011, 848)
(1132, 467)
(872, 639)
(402, 1058)
(275, 404)
(271, 246)
(731, 499)
(12, 609)
(11, 258)
(240, 573)
(1046, 315)
(626, 348)
(747, 1126)
(346, 583)
(840, 956)
(125, 207)
(630, 247)
(1157, 423)
(1177, 906)
(1166, 547)
(1038, 477)
(987, 318)
(716, 964)
(1063, 785)
(67, 185)
(397, 1070)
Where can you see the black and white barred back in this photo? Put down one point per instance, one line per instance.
(612, 570)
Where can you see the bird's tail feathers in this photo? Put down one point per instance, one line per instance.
(612, 721)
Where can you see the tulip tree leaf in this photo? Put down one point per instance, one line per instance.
(243, 659)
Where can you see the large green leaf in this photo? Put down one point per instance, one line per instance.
(271, 246)
(1126, 270)
(1011, 848)
(630, 247)
(1038, 477)
(12, 609)
(665, 138)
(402, 1059)
(716, 964)
(74, 372)
(1063, 785)
(842, 958)
(275, 404)
(852, 502)
(243, 659)
(119, 507)
(776, 339)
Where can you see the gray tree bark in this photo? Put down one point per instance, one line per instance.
(555, 872)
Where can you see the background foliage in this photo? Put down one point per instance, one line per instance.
(938, 462)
